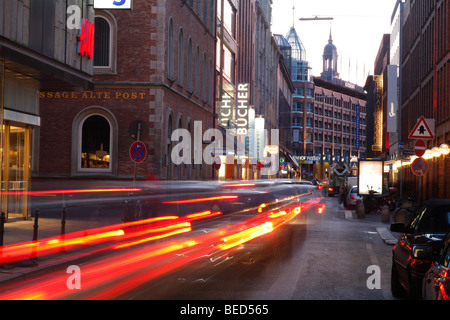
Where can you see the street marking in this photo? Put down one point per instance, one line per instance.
(386, 236)
(348, 215)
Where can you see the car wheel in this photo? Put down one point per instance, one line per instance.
(397, 289)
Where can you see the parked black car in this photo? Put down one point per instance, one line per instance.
(425, 233)
(436, 283)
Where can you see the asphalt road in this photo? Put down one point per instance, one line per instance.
(334, 257)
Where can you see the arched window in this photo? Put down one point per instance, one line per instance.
(205, 13)
(197, 72)
(210, 82)
(95, 143)
(180, 63)
(170, 52)
(105, 43)
(190, 63)
(212, 11)
(204, 78)
(102, 42)
(169, 146)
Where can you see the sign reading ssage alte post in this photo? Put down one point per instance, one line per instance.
(113, 4)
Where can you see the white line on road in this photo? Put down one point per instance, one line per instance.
(348, 215)
(386, 235)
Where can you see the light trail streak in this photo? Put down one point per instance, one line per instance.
(71, 191)
(123, 270)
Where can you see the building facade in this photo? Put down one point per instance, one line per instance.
(38, 53)
(339, 134)
(424, 92)
(153, 74)
(328, 116)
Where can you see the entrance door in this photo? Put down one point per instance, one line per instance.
(16, 171)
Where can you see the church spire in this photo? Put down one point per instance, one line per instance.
(330, 40)
(330, 61)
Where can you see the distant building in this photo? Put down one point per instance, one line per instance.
(328, 118)
(330, 61)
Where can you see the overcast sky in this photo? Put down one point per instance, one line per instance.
(357, 30)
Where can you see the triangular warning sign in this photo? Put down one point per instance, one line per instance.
(421, 130)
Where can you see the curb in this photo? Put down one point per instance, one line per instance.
(387, 236)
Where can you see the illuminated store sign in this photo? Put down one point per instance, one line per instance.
(378, 114)
(225, 110)
(392, 100)
(113, 4)
(242, 110)
(86, 37)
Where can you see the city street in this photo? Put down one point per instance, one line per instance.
(197, 151)
(332, 256)
(329, 261)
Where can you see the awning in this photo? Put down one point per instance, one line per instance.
(289, 155)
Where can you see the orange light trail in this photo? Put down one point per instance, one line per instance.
(245, 236)
(201, 199)
(238, 185)
(201, 215)
(111, 276)
(52, 192)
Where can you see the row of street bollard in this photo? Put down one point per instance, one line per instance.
(2, 227)
(35, 225)
(361, 212)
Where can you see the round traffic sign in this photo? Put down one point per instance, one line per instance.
(138, 151)
(217, 163)
(420, 148)
(420, 166)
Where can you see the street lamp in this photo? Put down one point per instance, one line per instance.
(428, 154)
(444, 149)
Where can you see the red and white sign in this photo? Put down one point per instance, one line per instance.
(420, 148)
(424, 129)
(138, 151)
(420, 166)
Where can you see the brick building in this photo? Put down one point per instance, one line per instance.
(153, 74)
(37, 53)
(425, 72)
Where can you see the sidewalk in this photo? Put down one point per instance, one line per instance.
(22, 231)
(383, 228)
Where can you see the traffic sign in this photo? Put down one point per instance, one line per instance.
(217, 163)
(424, 129)
(420, 147)
(138, 151)
(420, 167)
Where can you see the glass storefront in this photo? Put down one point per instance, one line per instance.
(15, 170)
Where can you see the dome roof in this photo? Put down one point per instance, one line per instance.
(330, 49)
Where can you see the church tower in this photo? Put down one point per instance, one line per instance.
(330, 61)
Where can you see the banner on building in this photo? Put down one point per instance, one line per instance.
(242, 117)
(378, 115)
(392, 98)
(358, 126)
